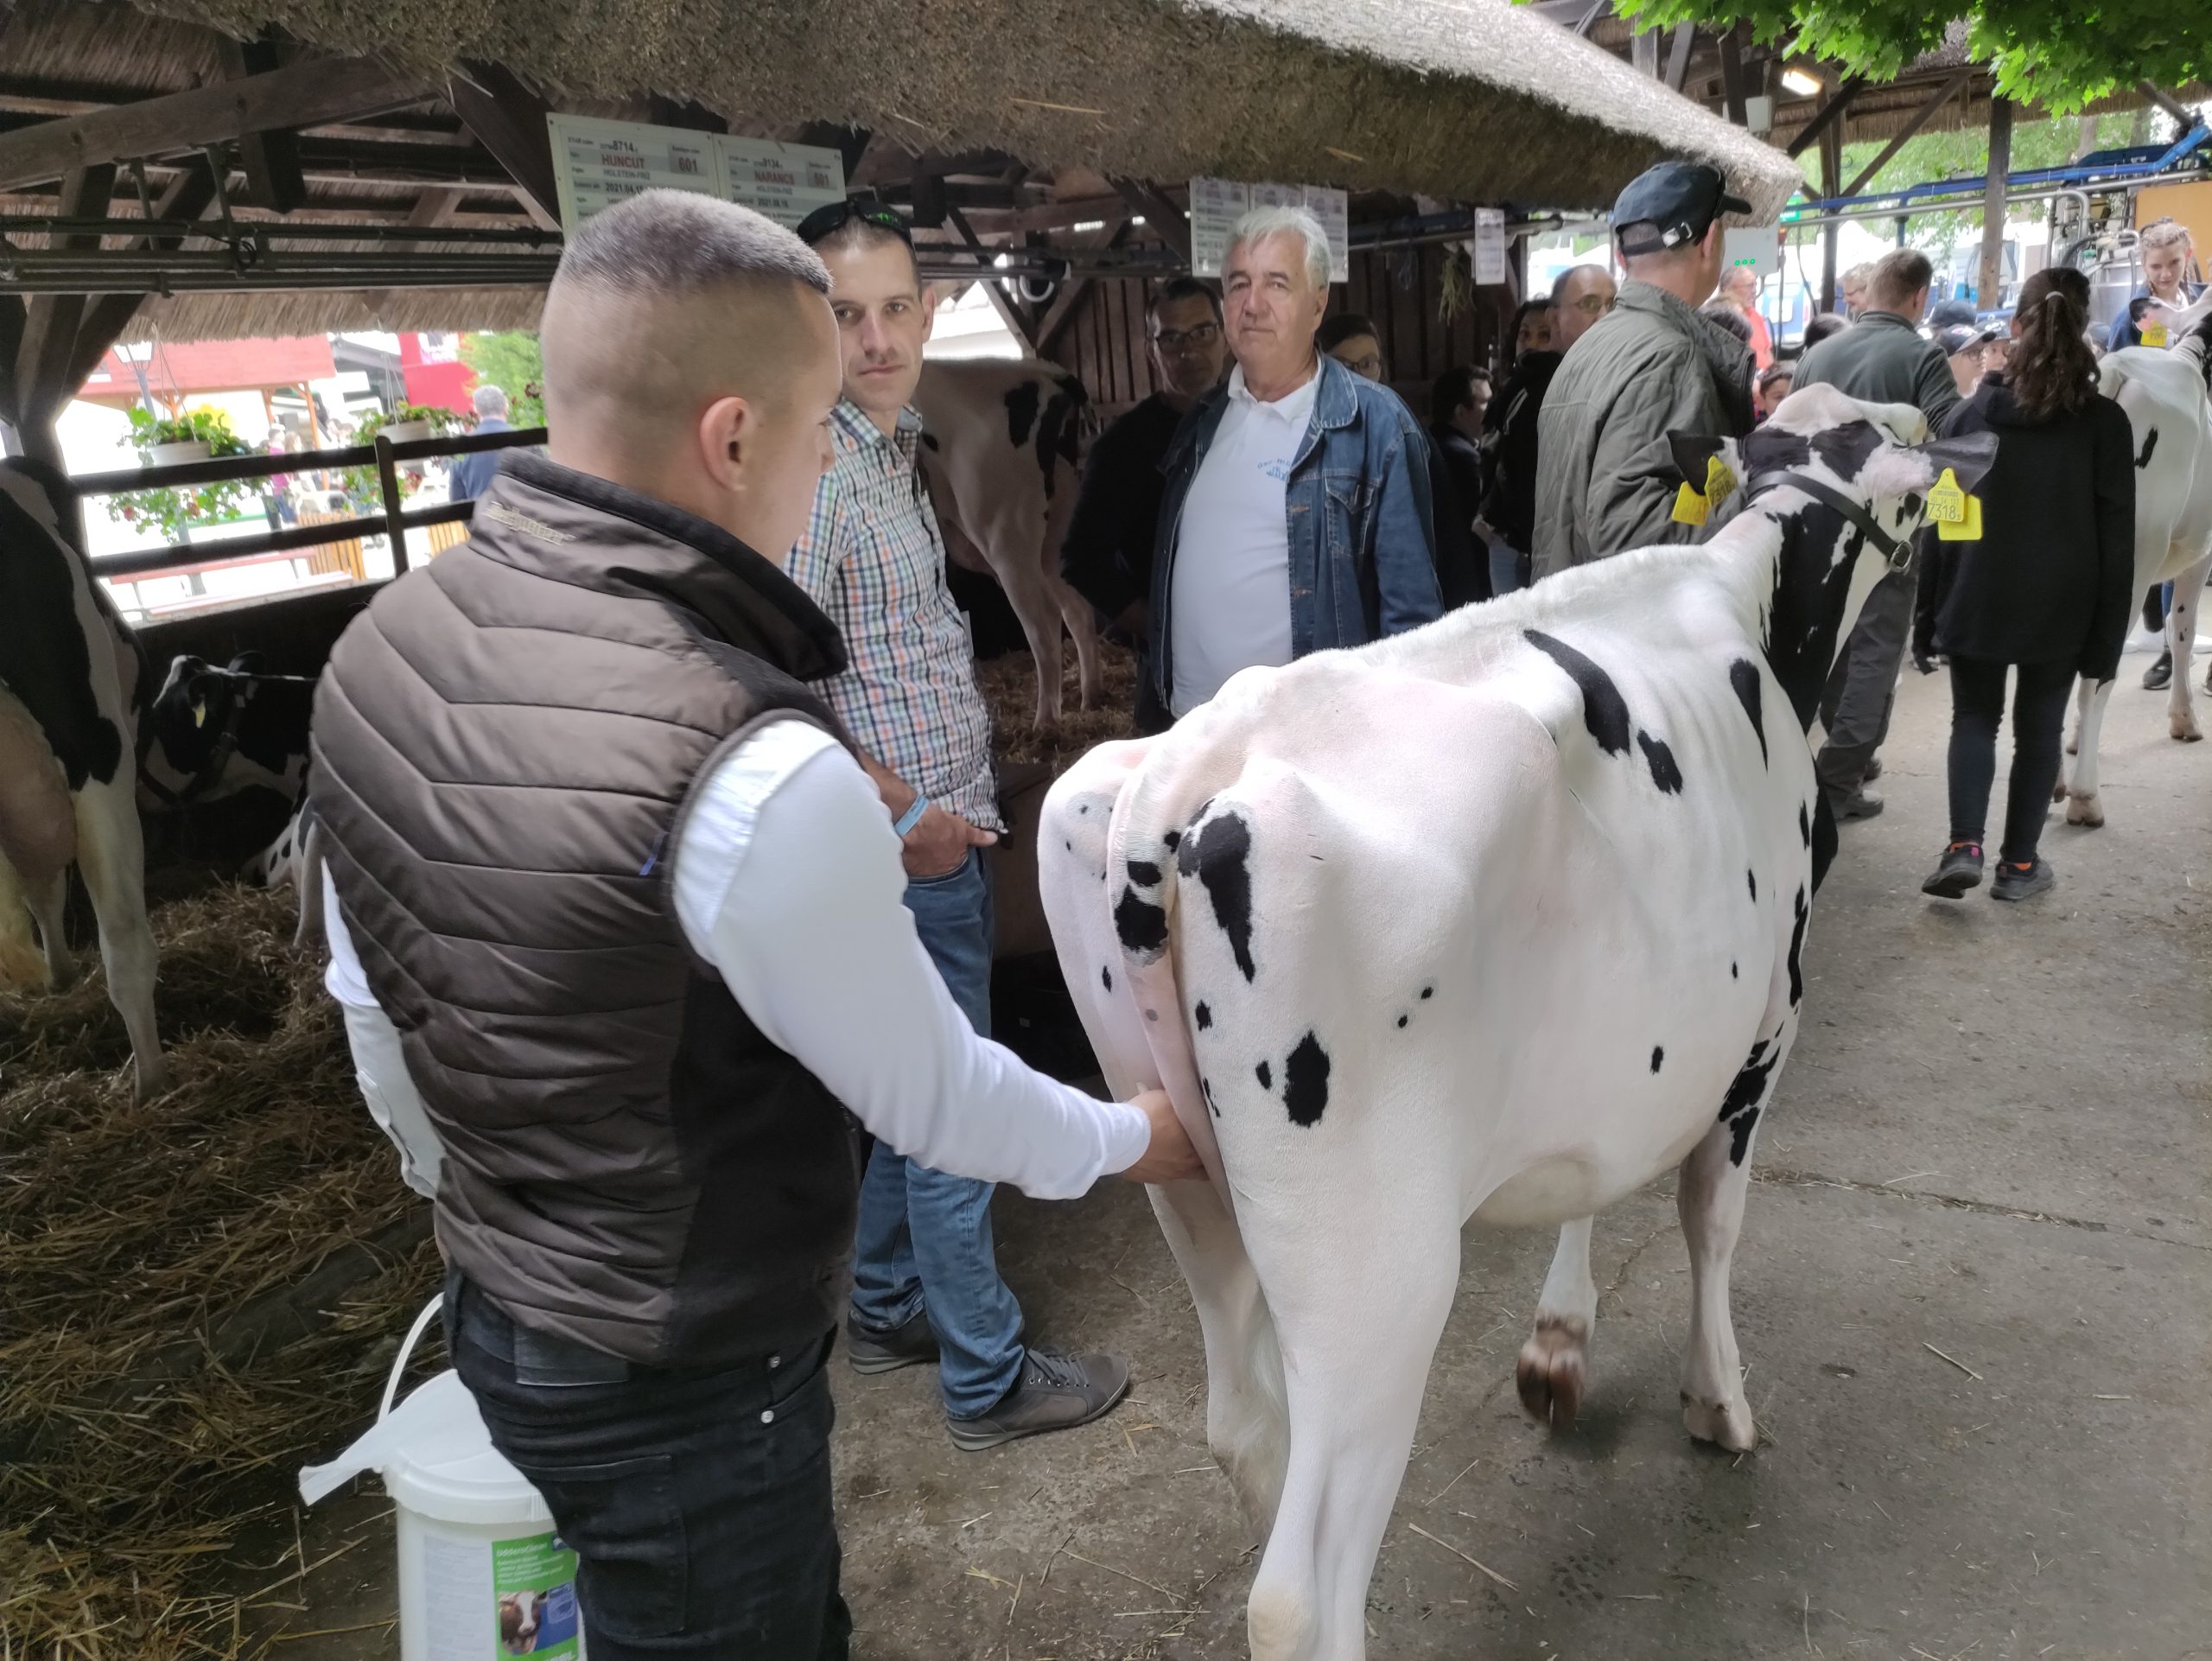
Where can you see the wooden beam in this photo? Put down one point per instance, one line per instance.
(1827, 115)
(682, 112)
(2166, 101)
(509, 120)
(301, 94)
(42, 384)
(271, 159)
(1643, 53)
(1989, 284)
(107, 316)
(851, 143)
(434, 207)
(1731, 75)
(1920, 118)
(1678, 55)
(1159, 214)
(1009, 314)
(1831, 234)
(11, 337)
(1061, 312)
(1590, 16)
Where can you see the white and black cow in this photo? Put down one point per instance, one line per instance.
(65, 765)
(1501, 919)
(2164, 394)
(294, 860)
(1003, 443)
(213, 730)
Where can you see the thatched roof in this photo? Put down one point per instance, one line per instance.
(1469, 99)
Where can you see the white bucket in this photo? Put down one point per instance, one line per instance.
(483, 1577)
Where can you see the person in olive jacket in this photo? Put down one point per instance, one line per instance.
(2046, 591)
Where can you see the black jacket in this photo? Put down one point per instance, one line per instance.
(1455, 483)
(2052, 579)
(1510, 506)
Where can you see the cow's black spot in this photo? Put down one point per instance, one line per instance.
(1428, 991)
(1739, 1135)
(1069, 846)
(1106, 975)
(1750, 1082)
(1604, 711)
(1804, 825)
(1059, 433)
(1205, 1088)
(1658, 1054)
(1305, 1081)
(1912, 505)
(1144, 874)
(1141, 925)
(44, 656)
(2150, 448)
(1021, 402)
(1151, 1015)
(1751, 881)
(1770, 450)
(1825, 840)
(930, 440)
(1402, 1020)
(1743, 676)
(1082, 807)
(1846, 449)
(1664, 773)
(1732, 975)
(1805, 608)
(1796, 946)
(1205, 1015)
(1217, 854)
(1265, 1074)
(1171, 838)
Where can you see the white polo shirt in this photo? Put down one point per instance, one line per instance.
(1230, 601)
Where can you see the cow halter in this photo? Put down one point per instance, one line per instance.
(1898, 553)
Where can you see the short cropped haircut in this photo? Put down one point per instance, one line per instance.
(1899, 275)
(1345, 326)
(1264, 222)
(1182, 287)
(1775, 371)
(1821, 325)
(490, 401)
(676, 244)
(1453, 390)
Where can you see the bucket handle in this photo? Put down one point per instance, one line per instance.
(406, 1349)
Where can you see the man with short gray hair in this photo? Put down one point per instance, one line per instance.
(472, 474)
(1297, 515)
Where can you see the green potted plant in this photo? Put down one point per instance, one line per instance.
(406, 424)
(172, 514)
(195, 435)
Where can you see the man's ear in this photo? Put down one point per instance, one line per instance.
(1694, 453)
(1969, 456)
(725, 427)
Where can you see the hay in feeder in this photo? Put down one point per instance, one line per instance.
(159, 1385)
(1010, 688)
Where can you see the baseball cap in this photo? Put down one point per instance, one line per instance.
(1945, 312)
(1669, 205)
(1959, 336)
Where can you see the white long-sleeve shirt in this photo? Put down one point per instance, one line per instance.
(787, 879)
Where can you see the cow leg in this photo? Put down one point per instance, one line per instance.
(111, 854)
(1359, 1309)
(1083, 628)
(48, 901)
(1709, 1198)
(1040, 616)
(2083, 806)
(1247, 1425)
(21, 964)
(1555, 1362)
(2181, 639)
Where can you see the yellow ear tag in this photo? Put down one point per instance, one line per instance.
(199, 715)
(2153, 334)
(1690, 508)
(1719, 481)
(1956, 514)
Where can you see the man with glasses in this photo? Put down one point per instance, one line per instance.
(1108, 555)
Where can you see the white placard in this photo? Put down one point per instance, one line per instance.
(785, 181)
(1217, 204)
(602, 162)
(1489, 244)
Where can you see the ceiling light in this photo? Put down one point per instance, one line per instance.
(1803, 82)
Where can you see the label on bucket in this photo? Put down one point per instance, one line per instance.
(535, 1581)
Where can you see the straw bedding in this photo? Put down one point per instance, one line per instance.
(142, 1427)
(1010, 688)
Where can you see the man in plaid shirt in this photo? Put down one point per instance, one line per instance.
(925, 1284)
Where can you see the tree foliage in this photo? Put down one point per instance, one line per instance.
(511, 362)
(2058, 53)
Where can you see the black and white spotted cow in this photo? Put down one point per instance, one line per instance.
(65, 765)
(1498, 920)
(216, 729)
(294, 860)
(2169, 412)
(1003, 443)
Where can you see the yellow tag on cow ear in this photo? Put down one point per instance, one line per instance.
(1955, 513)
(2153, 334)
(199, 715)
(1690, 508)
(1719, 481)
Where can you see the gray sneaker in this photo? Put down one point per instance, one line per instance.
(913, 1345)
(1054, 1393)
(2014, 882)
(1859, 805)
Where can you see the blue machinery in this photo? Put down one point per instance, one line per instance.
(2101, 171)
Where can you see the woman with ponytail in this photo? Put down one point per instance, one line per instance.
(2046, 592)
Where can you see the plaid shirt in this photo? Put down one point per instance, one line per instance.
(873, 559)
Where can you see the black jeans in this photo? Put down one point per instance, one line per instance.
(2038, 715)
(697, 1502)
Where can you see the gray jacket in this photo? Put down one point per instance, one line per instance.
(1605, 479)
(1882, 359)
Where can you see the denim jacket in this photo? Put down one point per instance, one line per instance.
(1363, 535)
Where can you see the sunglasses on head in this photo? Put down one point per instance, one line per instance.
(832, 217)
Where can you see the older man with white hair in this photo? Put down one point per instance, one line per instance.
(1297, 515)
(472, 476)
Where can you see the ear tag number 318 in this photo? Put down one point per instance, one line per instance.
(1955, 513)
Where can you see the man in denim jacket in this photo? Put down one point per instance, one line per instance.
(1297, 514)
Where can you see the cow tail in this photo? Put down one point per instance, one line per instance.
(307, 868)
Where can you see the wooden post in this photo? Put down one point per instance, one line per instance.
(1731, 75)
(1831, 178)
(394, 504)
(1989, 286)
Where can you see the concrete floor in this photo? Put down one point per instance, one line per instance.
(1992, 1140)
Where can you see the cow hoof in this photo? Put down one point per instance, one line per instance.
(2088, 812)
(2185, 728)
(149, 1081)
(1727, 1424)
(2058, 791)
(1553, 1369)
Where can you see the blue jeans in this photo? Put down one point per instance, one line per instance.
(1504, 566)
(924, 1237)
(697, 1501)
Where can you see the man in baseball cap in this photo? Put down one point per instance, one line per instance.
(1963, 345)
(1606, 476)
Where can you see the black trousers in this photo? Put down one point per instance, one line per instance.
(697, 1502)
(2038, 715)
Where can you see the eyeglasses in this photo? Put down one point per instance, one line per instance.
(1197, 337)
(1593, 305)
(831, 217)
(1369, 366)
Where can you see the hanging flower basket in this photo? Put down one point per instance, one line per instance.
(178, 451)
(405, 432)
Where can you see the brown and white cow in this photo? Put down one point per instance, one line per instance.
(1003, 445)
(66, 770)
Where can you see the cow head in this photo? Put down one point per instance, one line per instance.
(198, 704)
